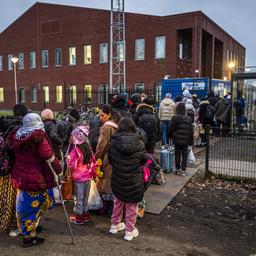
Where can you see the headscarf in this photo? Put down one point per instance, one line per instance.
(31, 123)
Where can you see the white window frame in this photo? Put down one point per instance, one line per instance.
(73, 94)
(1, 94)
(32, 59)
(33, 94)
(103, 94)
(45, 59)
(72, 56)
(88, 54)
(160, 47)
(21, 60)
(140, 49)
(87, 93)
(22, 95)
(103, 53)
(10, 63)
(56, 59)
(46, 91)
(1, 62)
(59, 93)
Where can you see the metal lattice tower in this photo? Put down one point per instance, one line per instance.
(117, 82)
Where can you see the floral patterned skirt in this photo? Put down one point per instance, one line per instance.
(7, 205)
(30, 206)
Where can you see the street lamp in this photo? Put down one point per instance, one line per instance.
(14, 61)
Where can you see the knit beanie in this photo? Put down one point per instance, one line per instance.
(47, 114)
(80, 134)
(74, 113)
(149, 101)
(119, 101)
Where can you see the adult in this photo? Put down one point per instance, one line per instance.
(190, 110)
(119, 104)
(31, 175)
(186, 95)
(146, 119)
(166, 112)
(239, 106)
(181, 131)
(110, 124)
(7, 191)
(126, 151)
(51, 129)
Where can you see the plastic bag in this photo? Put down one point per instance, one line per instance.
(191, 156)
(94, 200)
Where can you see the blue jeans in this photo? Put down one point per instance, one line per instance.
(165, 126)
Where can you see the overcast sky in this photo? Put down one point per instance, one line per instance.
(237, 17)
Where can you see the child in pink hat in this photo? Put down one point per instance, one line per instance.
(81, 162)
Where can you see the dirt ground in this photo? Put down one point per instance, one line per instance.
(208, 217)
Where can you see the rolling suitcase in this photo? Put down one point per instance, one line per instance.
(166, 159)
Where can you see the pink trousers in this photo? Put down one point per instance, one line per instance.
(130, 214)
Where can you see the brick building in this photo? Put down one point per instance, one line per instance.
(64, 50)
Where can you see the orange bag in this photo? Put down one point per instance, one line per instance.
(67, 187)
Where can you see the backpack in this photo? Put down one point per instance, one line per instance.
(209, 112)
(148, 122)
(143, 134)
(64, 129)
(94, 133)
(4, 160)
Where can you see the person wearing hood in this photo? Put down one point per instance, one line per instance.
(7, 191)
(146, 119)
(186, 95)
(213, 98)
(190, 110)
(50, 126)
(126, 151)
(181, 131)
(223, 115)
(110, 124)
(32, 176)
(119, 104)
(166, 112)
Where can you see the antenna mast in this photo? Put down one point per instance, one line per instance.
(117, 82)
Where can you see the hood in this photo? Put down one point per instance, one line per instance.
(146, 106)
(180, 108)
(167, 101)
(14, 143)
(226, 101)
(205, 101)
(189, 102)
(126, 142)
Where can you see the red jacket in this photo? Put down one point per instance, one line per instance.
(31, 171)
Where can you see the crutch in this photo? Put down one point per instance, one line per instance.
(62, 201)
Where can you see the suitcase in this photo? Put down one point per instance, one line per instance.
(166, 159)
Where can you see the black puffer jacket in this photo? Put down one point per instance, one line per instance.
(51, 130)
(125, 153)
(181, 129)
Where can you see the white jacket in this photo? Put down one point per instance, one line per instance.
(167, 109)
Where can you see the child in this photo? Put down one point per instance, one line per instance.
(81, 161)
(125, 153)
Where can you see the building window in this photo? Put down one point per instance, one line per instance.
(103, 95)
(120, 51)
(58, 57)
(10, 63)
(1, 63)
(1, 94)
(158, 90)
(139, 87)
(72, 56)
(160, 42)
(46, 94)
(103, 53)
(22, 95)
(73, 94)
(140, 49)
(32, 59)
(21, 60)
(59, 94)
(34, 94)
(45, 59)
(87, 54)
(87, 93)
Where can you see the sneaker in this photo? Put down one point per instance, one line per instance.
(130, 235)
(115, 228)
(162, 147)
(14, 232)
(76, 219)
(32, 241)
(183, 173)
(141, 212)
(86, 217)
(176, 171)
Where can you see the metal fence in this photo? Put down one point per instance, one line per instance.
(231, 156)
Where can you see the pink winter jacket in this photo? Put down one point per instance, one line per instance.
(80, 172)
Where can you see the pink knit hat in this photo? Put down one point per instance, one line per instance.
(47, 114)
(80, 134)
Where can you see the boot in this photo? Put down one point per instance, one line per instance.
(32, 241)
